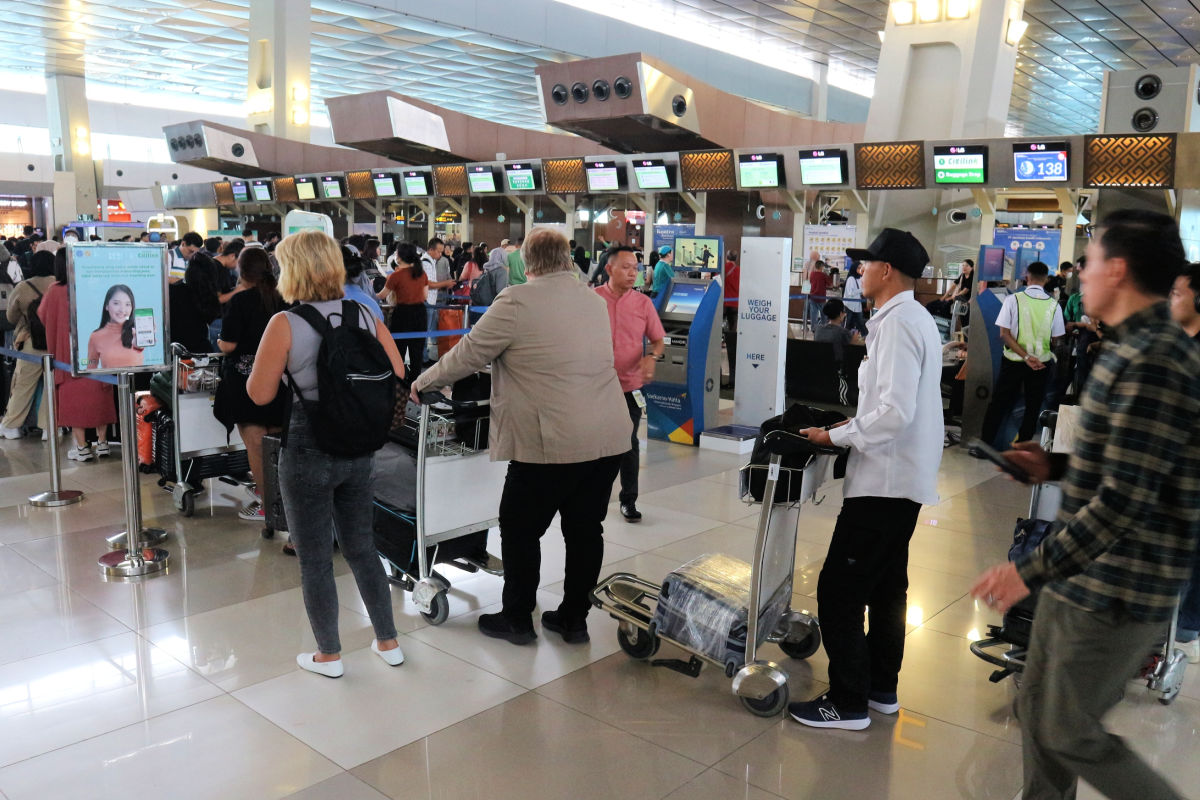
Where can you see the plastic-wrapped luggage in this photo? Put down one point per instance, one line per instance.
(703, 606)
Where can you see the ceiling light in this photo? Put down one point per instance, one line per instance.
(958, 9)
(902, 12)
(300, 92)
(299, 116)
(1016, 29)
(929, 10)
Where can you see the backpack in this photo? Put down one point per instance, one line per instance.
(483, 291)
(355, 381)
(37, 328)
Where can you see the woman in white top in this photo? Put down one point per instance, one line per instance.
(852, 299)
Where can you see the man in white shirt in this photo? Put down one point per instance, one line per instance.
(1030, 323)
(895, 446)
(429, 260)
(181, 255)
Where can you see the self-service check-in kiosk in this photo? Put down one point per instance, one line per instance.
(682, 400)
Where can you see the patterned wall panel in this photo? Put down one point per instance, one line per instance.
(564, 176)
(450, 180)
(360, 186)
(707, 170)
(1146, 161)
(285, 190)
(224, 190)
(890, 165)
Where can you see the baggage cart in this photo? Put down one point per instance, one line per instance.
(721, 610)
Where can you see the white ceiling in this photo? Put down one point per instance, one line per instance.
(198, 47)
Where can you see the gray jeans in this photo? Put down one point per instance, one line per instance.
(321, 491)
(1077, 667)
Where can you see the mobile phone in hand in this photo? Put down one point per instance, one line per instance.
(997, 458)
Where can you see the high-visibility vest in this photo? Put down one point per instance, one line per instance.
(1035, 322)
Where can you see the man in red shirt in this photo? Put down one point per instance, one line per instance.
(731, 285)
(818, 282)
(633, 319)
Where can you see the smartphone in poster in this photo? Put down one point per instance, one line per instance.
(118, 296)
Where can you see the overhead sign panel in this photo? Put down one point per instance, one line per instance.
(960, 164)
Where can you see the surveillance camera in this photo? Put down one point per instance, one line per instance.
(679, 105)
(600, 90)
(1144, 120)
(579, 91)
(559, 94)
(238, 150)
(1148, 87)
(623, 87)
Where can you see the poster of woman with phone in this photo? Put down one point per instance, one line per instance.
(113, 344)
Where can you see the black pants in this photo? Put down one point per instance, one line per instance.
(731, 316)
(867, 565)
(411, 319)
(1015, 377)
(629, 461)
(533, 493)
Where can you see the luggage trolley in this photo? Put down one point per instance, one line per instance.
(720, 609)
(190, 444)
(457, 499)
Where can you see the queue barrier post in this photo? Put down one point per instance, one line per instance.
(57, 496)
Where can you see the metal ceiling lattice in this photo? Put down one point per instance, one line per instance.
(199, 47)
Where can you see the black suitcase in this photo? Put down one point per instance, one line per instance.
(395, 533)
(268, 487)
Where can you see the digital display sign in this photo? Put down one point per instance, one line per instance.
(416, 183)
(1041, 161)
(481, 180)
(262, 191)
(760, 170)
(823, 167)
(522, 177)
(603, 176)
(306, 189)
(331, 187)
(241, 192)
(684, 299)
(960, 164)
(651, 173)
(385, 184)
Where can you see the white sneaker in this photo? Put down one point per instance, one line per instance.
(10, 433)
(393, 657)
(330, 669)
(1190, 649)
(102, 449)
(80, 454)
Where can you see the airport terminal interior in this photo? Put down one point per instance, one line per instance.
(763, 136)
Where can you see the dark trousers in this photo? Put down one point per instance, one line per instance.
(533, 493)
(731, 316)
(629, 461)
(1015, 377)
(867, 565)
(410, 319)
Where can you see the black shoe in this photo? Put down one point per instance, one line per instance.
(975, 452)
(630, 513)
(573, 632)
(498, 626)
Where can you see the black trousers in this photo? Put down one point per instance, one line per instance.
(533, 494)
(867, 565)
(629, 461)
(731, 317)
(410, 319)
(1015, 377)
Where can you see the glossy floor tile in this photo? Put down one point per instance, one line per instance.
(44, 620)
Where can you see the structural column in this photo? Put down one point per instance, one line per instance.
(75, 189)
(278, 93)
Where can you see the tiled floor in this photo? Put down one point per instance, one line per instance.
(185, 686)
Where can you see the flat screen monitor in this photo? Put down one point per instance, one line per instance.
(960, 163)
(760, 170)
(604, 176)
(702, 253)
(652, 173)
(261, 191)
(306, 189)
(1041, 161)
(416, 184)
(241, 192)
(522, 177)
(385, 184)
(482, 179)
(991, 263)
(684, 299)
(824, 167)
(332, 187)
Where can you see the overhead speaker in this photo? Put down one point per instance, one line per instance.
(559, 94)
(1166, 100)
(623, 87)
(1148, 87)
(679, 105)
(1144, 120)
(579, 91)
(600, 90)
(238, 150)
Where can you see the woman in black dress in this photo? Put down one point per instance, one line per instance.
(246, 317)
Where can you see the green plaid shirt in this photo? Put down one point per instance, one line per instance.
(1130, 514)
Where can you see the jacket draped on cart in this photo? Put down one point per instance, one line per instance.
(82, 403)
(556, 398)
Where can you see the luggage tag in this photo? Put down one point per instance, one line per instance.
(639, 398)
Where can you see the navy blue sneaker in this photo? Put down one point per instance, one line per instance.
(822, 713)
(883, 702)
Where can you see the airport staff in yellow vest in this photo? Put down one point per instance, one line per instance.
(1030, 322)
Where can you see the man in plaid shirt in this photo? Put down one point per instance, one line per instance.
(1112, 572)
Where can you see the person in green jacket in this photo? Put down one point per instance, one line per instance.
(516, 265)
(664, 270)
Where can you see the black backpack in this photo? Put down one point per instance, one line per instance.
(37, 328)
(356, 384)
(483, 291)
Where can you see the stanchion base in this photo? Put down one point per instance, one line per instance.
(54, 499)
(123, 565)
(150, 537)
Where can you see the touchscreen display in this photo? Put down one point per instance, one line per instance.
(685, 298)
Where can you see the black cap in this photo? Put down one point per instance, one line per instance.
(898, 248)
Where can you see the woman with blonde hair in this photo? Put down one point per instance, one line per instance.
(322, 491)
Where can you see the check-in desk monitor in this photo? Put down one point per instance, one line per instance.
(683, 398)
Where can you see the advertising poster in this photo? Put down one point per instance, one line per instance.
(666, 234)
(705, 253)
(118, 307)
(1042, 244)
(831, 241)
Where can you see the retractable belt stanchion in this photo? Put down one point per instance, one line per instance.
(57, 496)
(138, 557)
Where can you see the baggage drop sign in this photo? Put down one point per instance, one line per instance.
(761, 330)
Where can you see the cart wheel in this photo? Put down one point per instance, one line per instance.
(641, 646)
(268, 532)
(187, 504)
(770, 705)
(802, 648)
(439, 609)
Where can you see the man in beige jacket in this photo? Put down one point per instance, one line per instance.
(559, 418)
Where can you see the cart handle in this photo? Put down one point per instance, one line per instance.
(787, 443)
(431, 398)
